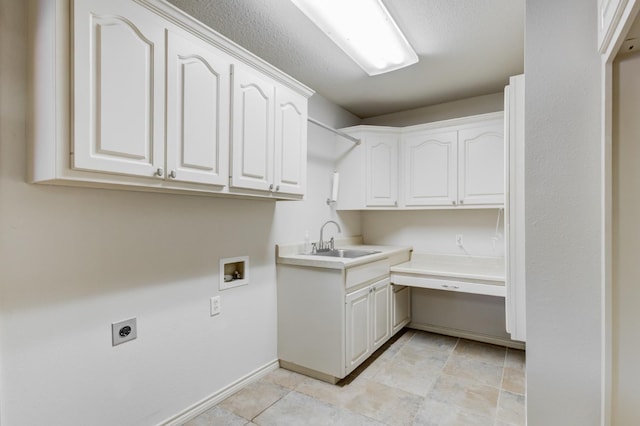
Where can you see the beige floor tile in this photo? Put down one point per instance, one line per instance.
(299, 409)
(332, 394)
(253, 399)
(466, 394)
(383, 403)
(473, 368)
(513, 380)
(373, 368)
(511, 408)
(421, 357)
(432, 342)
(217, 416)
(435, 413)
(515, 359)
(405, 376)
(491, 354)
(284, 378)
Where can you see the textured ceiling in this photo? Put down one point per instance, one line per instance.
(466, 48)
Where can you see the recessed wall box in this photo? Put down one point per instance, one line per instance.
(234, 272)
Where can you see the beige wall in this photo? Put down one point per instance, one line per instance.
(460, 108)
(563, 160)
(73, 260)
(626, 244)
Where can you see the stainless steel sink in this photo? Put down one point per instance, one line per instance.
(345, 253)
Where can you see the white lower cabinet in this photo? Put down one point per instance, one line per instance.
(368, 321)
(331, 320)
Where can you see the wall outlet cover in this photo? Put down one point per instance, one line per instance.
(123, 331)
(215, 305)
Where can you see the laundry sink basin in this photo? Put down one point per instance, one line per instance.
(345, 253)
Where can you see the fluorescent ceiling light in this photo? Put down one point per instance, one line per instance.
(365, 30)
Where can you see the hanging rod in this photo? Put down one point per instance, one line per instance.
(337, 132)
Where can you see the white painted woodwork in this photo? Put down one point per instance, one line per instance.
(198, 99)
(609, 15)
(481, 165)
(472, 286)
(118, 96)
(359, 324)
(381, 313)
(328, 324)
(515, 277)
(455, 163)
(430, 168)
(400, 307)
(381, 150)
(290, 164)
(252, 130)
(148, 106)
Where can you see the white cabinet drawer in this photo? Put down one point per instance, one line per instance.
(491, 288)
(364, 273)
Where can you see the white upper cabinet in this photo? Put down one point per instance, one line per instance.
(452, 164)
(138, 95)
(118, 81)
(252, 130)
(430, 168)
(481, 164)
(381, 150)
(269, 135)
(290, 171)
(198, 85)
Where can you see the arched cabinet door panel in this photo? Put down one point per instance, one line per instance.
(118, 96)
(481, 164)
(252, 130)
(198, 99)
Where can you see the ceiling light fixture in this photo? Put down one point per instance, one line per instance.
(365, 30)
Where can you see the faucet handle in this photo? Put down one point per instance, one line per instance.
(331, 243)
(314, 248)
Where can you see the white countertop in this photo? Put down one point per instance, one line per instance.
(468, 267)
(292, 254)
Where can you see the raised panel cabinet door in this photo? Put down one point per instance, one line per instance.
(358, 332)
(118, 88)
(381, 158)
(198, 103)
(381, 315)
(252, 130)
(481, 164)
(290, 166)
(401, 308)
(430, 169)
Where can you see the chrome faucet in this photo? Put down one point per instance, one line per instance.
(322, 246)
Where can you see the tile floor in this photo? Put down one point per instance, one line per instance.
(419, 379)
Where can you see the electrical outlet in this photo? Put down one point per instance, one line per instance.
(123, 331)
(459, 242)
(215, 305)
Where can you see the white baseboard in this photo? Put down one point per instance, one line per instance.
(468, 335)
(212, 400)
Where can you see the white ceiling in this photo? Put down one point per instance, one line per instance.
(466, 48)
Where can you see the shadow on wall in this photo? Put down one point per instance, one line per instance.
(63, 243)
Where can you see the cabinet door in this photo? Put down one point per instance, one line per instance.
(381, 169)
(481, 164)
(118, 88)
(381, 313)
(290, 166)
(430, 169)
(252, 130)
(198, 103)
(401, 307)
(358, 333)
